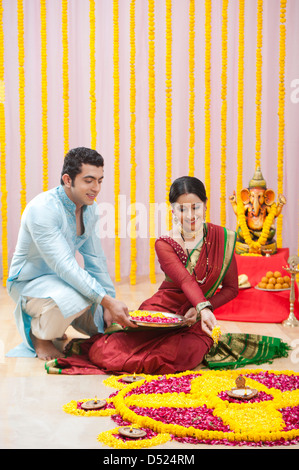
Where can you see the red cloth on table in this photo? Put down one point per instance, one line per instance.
(252, 305)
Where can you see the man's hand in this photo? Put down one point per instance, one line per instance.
(118, 310)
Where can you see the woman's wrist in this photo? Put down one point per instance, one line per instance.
(201, 306)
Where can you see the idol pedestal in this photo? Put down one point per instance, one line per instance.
(252, 305)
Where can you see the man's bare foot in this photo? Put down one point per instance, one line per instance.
(45, 349)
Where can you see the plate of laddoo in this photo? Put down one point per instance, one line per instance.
(274, 281)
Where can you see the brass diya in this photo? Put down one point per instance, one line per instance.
(129, 431)
(132, 378)
(242, 391)
(93, 404)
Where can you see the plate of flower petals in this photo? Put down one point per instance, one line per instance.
(157, 319)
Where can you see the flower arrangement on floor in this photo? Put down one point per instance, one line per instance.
(195, 408)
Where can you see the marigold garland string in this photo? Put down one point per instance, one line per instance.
(133, 144)
(168, 92)
(281, 107)
(258, 99)
(194, 407)
(151, 106)
(43, 15)
(116, 135)
(92, 89)
(65, 75)
(3, 156)
(240, 96)
(21, 50)
(191, 86)
(208, 44)
(223, 114)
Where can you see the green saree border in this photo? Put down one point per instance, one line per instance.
(230, 239)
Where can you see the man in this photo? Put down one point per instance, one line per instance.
(50, 288)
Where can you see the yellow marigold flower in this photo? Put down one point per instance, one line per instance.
(216, 333)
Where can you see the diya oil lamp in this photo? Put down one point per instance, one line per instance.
(242, 391)
(130, 431)
(93, 404)
(132, 378)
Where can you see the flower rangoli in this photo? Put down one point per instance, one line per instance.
(194, 407)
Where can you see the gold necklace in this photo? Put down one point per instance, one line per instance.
(200, 281)
(193, 234)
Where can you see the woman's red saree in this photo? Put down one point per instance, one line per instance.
(156, 351)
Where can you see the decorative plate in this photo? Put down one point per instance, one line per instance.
(161, 320)
(272, 290)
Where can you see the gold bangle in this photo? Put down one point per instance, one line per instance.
(202, 305)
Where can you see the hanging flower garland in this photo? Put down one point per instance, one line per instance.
(43, 15)
(168, 87)
(116, 136)
(255, 245)
(65, 75)
(281, 106)
(208, 40)
(258, 99)
(240, 97)
(22, 103)
(223, 115)
(92, 92)
(194, 408)
(3, 156)
(133, 144)
(191, 86)
(151, 80)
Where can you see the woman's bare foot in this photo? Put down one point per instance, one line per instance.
(45, 349)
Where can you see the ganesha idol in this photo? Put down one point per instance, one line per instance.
(256, 212)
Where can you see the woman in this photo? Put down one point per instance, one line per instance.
(196, 258)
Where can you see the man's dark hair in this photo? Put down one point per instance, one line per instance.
(76, 157)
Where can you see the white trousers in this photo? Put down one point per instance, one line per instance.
(48, 323)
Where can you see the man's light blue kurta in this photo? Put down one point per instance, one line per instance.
(44, 264)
